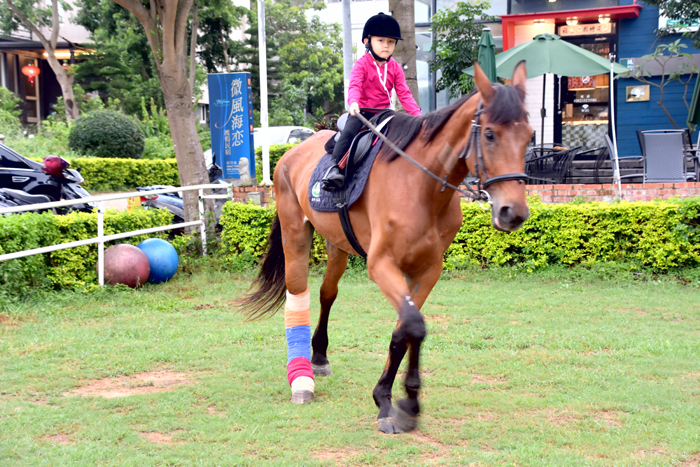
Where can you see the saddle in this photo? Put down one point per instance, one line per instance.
(356, 165)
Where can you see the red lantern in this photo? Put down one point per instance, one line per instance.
(30, 71)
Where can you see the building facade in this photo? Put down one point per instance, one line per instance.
(578, 110)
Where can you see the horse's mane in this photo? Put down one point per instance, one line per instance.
(506, 106)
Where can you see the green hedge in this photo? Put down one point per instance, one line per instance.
(276, 151)
(69, 268)
(659, 235)
(119, 174)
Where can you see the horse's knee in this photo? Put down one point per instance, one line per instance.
(412, 322)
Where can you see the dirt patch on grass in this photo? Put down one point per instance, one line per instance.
(636, 311)
(444, 320)
(691, 461)
(481, 379)
(7, 322)
(335, 455)
(60, 438)
(159, 438)
(562, 418)
(141, 383)
(610, 418)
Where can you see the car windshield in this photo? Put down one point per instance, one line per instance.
(275, 136)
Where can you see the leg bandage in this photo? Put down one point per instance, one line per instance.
(297, 321)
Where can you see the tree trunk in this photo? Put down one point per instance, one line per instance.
(66, 82)
(405, 53)
(181, 117)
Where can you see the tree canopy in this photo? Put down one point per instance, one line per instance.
(687, 12)
(456, 34)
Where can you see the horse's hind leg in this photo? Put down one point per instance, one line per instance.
(336, 265)
(297, 236)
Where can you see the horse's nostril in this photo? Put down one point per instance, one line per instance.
(505, 214)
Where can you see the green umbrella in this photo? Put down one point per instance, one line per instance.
(547, 53)
(694, 114)
(487, 54)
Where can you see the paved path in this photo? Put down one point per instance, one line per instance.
(118, 204)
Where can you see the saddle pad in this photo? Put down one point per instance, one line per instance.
(324, 201)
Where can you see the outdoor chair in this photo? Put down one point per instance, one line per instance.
(588, 162)
(611, 152)
(664, 156)
(550, 167)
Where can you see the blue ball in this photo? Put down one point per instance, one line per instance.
(162, 257)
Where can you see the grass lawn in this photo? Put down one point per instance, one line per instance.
(547, 369)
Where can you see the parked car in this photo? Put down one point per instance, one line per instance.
(19, 173)
(282, 135)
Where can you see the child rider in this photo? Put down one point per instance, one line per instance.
(372, 78)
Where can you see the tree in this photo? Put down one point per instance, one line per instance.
(304, 61)
(165, 24)
(456, 34)
(123, 66)
(312, 64)
(686, 12)
(405, 51)
(641, 74)
(217, 23)
(34, 16)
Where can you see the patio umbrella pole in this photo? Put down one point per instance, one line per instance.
(616, 162)
(543, 112)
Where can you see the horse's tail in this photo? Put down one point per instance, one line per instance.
(269, 286)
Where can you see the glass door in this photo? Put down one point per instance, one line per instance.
(583, 105)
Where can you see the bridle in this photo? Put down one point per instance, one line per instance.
(473, 146)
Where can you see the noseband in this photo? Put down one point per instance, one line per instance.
(473, 146)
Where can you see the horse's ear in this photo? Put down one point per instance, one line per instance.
(483, 84)
(519, 77)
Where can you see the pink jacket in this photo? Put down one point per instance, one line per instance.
(366, 89)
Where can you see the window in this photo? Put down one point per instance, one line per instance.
(9, 160)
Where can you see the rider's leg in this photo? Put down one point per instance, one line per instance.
(334, 179)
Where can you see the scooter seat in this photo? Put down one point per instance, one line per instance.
(25, 198)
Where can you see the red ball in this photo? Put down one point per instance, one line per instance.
(126, 264)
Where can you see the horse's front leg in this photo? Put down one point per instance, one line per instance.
(335, 267)
(408, 336)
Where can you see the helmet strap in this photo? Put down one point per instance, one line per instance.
(368, 46)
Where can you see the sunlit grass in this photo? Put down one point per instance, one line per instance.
(556, 368)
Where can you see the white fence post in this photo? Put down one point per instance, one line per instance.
(100, 245)
(204, 224)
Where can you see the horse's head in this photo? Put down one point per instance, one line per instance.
(505, 133)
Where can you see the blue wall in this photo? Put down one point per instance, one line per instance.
(636, 37)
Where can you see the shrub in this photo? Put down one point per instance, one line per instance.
(70, 268)
(276, 152)
(106, 133)
(660, 236)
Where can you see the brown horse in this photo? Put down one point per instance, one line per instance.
(404, 220)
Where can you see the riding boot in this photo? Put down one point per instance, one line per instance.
(334, 179)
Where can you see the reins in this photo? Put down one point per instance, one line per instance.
(480, 194)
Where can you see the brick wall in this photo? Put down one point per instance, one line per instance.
(240, 193)
(608, 192)
(553, 193)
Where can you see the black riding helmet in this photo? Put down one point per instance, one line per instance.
(383, 26)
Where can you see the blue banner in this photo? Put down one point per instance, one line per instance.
(231, 123)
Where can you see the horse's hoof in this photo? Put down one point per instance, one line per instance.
(402, 421)
(321, 370)
(387, 425)
(302, 397)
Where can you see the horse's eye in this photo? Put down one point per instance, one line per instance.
(490, 136)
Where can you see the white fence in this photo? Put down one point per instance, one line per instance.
(100, 239)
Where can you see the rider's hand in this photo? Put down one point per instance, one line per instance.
(354, 108)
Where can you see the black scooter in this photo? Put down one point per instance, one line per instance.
(35, 178)
(14, 198)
